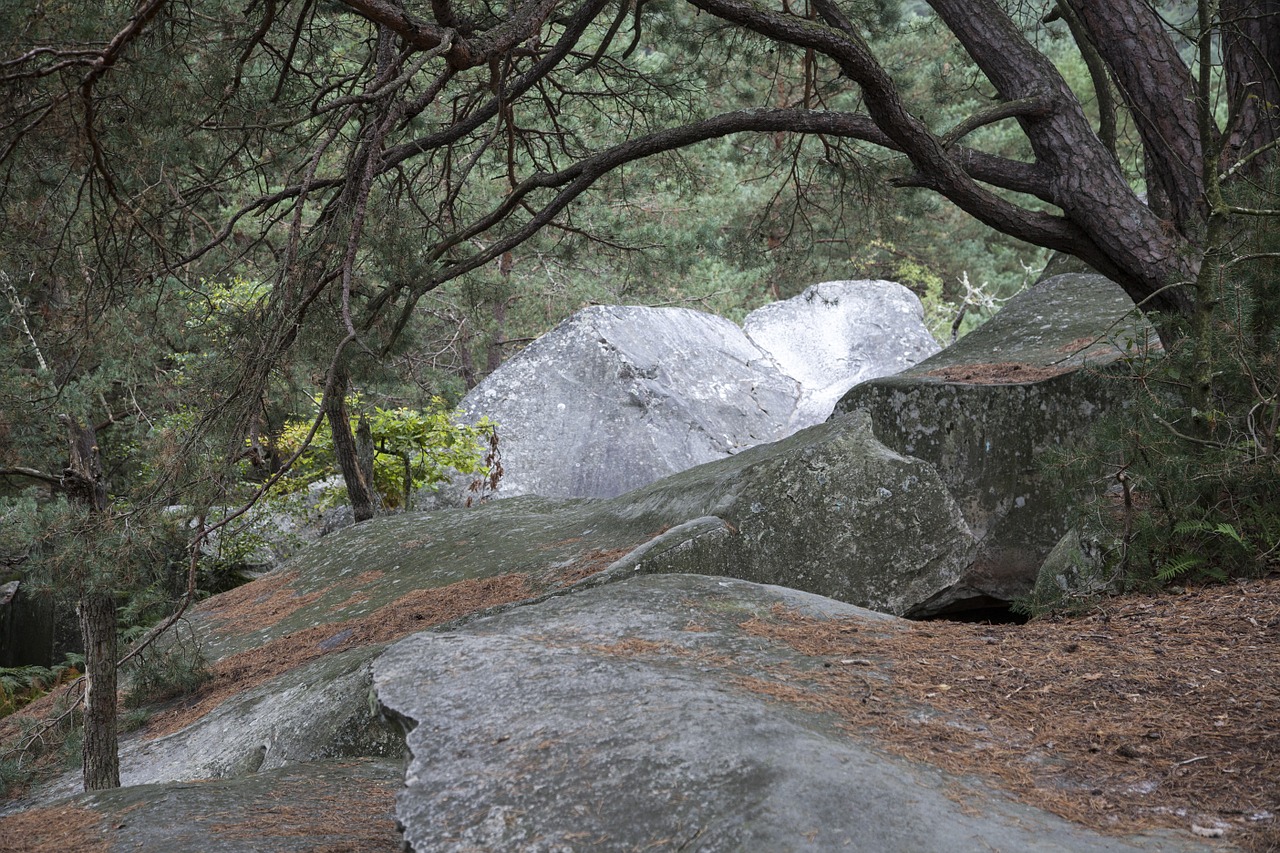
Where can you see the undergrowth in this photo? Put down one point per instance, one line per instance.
(1182, 484)
(22, 685)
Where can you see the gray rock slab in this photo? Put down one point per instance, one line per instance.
(321, 710)
(616, 397)
(829, 510)
(986, 411)
(339, 805)
(353, 572)
(622, 718)
(839, 333)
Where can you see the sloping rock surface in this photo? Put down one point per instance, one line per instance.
(617, 397)
(839, 333)
(643, 716)
(311, 713)
(986, 411)
(829, 510)
(340, 805)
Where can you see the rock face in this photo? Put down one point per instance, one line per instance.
(840, 333)
(617, 397)
(311, 713)
(985, 411)
(335, 805)
(829, 510)
(658, 712)
(643, 715)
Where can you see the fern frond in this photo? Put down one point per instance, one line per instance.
(1179, 566)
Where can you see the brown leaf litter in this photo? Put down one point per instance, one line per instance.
(54, 829)
(356, 815)
(1156, 711)
(328, 814)
(415, 611)
(999, 373)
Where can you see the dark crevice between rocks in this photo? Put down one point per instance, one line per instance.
(978, 609)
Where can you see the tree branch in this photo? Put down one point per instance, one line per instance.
(32, 473)
(839, 39)
(1030, 106)
(1159, 90)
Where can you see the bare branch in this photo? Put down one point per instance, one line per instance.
(32, 473)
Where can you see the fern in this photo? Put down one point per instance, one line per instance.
(1179, 566)
(22, 685)
(1200, 526)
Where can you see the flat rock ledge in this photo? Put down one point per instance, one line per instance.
(647, 715)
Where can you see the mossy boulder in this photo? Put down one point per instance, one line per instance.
(987, 411)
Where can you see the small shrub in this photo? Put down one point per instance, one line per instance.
(1184, 483)
(176, 668)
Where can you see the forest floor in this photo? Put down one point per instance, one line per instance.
(1152, 711)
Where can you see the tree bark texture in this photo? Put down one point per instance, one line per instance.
(359, 489)
(365, 449)
(1251, 52)
(82, 479)
(101, 760)
(85, 484)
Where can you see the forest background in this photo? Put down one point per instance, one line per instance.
(233, 234)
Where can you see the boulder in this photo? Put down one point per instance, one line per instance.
(657, 712)
(986, 411)
(829, 510)
(1074, 575)
(839, 333)
(313, 712)
(646, 715)
(617, 397)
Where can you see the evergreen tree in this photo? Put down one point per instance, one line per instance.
(349, 158)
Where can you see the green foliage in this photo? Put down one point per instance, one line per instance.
(37, 742)
(13, 775)
(1194, 462)
(1186, 509)
(413, 449)
(24, 684)
(172, 668)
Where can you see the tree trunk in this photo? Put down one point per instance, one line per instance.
(493, 356)
(84, 484)
(359, 489)
(82, 479)
(365, 450)
(101, 760)
(1251, 50)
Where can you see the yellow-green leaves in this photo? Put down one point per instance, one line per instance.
(412, 449)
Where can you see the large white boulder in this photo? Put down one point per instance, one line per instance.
(839, 333)
(616, 397)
